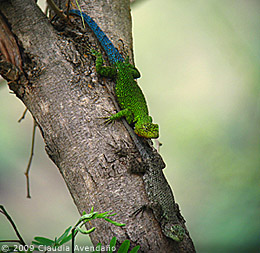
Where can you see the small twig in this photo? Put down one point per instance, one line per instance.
(23, 115)
(73, 239)
(68, 7)
(57, 10)
(30, 161)
(4, 212)
(74, 232)
(83, 21)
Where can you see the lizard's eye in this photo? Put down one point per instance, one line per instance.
(145, 127)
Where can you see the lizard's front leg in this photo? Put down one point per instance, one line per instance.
(172, 230)
(124, 113)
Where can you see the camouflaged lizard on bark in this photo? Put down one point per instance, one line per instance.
(134, 108)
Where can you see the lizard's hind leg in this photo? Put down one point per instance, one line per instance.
(105, 71)
(113, 117)
(123, 113)
(106, 119)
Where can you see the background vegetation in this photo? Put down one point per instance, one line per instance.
(200, 65)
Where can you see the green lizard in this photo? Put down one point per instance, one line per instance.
(129, 95)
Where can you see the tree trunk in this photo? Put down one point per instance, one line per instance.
(61, 89)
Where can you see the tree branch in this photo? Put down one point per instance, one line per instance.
(66, 99)
(27, 172)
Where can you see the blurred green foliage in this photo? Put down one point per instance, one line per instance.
(200, 64)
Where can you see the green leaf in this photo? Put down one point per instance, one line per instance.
(87, 216)
(43, 241)
(64, 235)
(114, 222)
(135, 249)
(103, 215)
(82, 231)
(83, 21)
(112, 244)
(98, 251)
(66, 239)
(36, 243)
(124, 247)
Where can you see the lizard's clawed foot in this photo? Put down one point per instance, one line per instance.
(107, 119)
(139, 210)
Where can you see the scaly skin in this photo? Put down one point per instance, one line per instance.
(130, 97)
(134, 108)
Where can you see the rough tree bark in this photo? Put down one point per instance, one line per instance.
(66, 98)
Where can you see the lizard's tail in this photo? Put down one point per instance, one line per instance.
(112, 52)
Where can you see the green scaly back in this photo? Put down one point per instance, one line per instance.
(129, 96)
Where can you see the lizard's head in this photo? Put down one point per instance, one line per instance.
(176, 232)
(147, 130)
